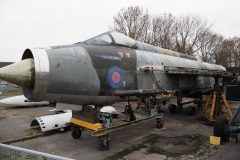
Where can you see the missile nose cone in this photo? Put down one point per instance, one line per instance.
(21, 73)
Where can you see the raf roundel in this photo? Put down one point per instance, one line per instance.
(116, 77)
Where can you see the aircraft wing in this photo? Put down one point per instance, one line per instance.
(195, 71)
(137, 92)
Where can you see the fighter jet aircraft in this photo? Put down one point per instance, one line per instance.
(97, 71)
(104, 68)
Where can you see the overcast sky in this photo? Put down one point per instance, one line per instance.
(32, 23)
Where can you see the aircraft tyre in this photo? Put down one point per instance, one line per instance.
(219, 129)
(76, 132)
(103, 142)
(172, 108)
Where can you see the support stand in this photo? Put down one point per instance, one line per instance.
(129, 112)
(216, 108)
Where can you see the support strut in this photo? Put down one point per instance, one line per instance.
(217, 101)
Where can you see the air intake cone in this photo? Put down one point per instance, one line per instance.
(21, 73)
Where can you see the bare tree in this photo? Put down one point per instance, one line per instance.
(133, 22)
(209, 45)
(187, 31)
(180, 34)
(162, 31)
(225, 55)
(236, 51)
(186, 34)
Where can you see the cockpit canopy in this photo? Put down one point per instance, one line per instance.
(118, 39)
(112, 38)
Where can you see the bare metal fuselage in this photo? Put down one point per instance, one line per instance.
(86, 74)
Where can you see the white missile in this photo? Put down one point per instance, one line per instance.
(61, 119)
(21, 101)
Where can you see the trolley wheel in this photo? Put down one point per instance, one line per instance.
(103, 142)
(76, 132)
(219, 129)
(172, 108)
(159, 123)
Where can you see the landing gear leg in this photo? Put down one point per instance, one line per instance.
(179, 100)
(129, 112)
(172, 108)
(199, 103)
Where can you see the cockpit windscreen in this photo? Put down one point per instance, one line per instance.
(112, 38)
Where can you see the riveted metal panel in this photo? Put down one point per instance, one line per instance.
(173, 82)
(72, 72)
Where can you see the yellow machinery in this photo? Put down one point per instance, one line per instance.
(102, 123)
(215, 102)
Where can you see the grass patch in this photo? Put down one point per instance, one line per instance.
(193, 143)
(197, 142)
(29, 132)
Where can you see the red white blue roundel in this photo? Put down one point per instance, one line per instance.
(116, 77)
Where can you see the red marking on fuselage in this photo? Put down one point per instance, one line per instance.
(116, 77)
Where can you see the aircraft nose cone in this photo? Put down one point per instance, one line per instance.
(21, 73)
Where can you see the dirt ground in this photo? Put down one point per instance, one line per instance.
(182, 137)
